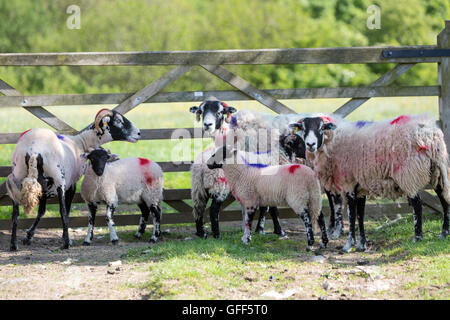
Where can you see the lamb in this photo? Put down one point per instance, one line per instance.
(399, 158)
(46, 164)
(255, 185)
(130, 180)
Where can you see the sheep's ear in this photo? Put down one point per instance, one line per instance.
(296, 127)
(329, 126)
(194, 109)
(84, 155)
(228, 110)
(113, 157)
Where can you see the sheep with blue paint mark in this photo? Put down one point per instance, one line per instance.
(111, 181)
(397, 157)
(254, 184)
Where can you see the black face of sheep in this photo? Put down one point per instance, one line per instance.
(98, 159)
(312, 131)
(213, 113)
(113, 123)
(293, 145)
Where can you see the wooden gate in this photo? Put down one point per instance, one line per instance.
(405, 57)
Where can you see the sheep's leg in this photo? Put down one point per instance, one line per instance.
(145, 211)
(275, 214)
(199, 209)
(156, 212)
(332, 224)
(261, 220)
(336, 210)
(248, 214)
(64, 217)
(416, 203)
(360, 206)
(445, 215)
(351, 207)
(304, 215)
(92, 208)
(69, 194)
(41, 211)
(214, 216)
(15, 220)
(323, 230)
(109, 220)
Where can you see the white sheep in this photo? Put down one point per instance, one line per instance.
(126, 181)
(254, 184)
(46, 164)
(390, 158)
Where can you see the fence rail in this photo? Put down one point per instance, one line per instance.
(213, 61)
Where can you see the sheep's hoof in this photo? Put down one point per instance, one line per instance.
(13, 247)
(337, 232)
(138, 235)
(246, 240)
(217, 236)
(86, 243)
(27, 241)
(153, 239)
(65, 246)
(361, 247)
(203, 235)
(309, 248)
(348, 247)
(323, 245)
(443, 235)
(418, 238)
(115, 242)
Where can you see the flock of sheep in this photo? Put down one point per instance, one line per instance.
(263, 160)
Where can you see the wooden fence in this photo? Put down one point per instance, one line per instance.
(405, 57)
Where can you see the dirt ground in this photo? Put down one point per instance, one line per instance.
(43, 271)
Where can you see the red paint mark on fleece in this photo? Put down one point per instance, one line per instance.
(224, 104)
(23, 133)
(222, 180)
(423, 148)
(144, 163)
(326, 119)
(401, 119)
(294, 167)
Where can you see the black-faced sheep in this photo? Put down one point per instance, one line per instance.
(396, 158)
(45, 164)
(126, 181)
(255, 185)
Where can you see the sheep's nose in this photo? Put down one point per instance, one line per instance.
(310, 145)
(208, 125)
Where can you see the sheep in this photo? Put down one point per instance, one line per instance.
(46, 164)
(255, 185)
(208, 183)
(397, 157)
(131, 180)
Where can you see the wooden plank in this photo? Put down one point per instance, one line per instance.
(211, 57)
(431, 201)
(38, 111)
(165, 166)
(93, 100)
(248, 89)
(152, 89)
(179, 205)
(389, 210)
(443, 41)
(386, 79)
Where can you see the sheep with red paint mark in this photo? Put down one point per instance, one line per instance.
(126, 181)
(256, 184)
(388, 159)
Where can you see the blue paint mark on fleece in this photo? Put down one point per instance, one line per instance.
(60, 137)
(263, 152)
(233, 122)
(361, 124)
(254, 165)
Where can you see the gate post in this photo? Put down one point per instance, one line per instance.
(443, 41)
